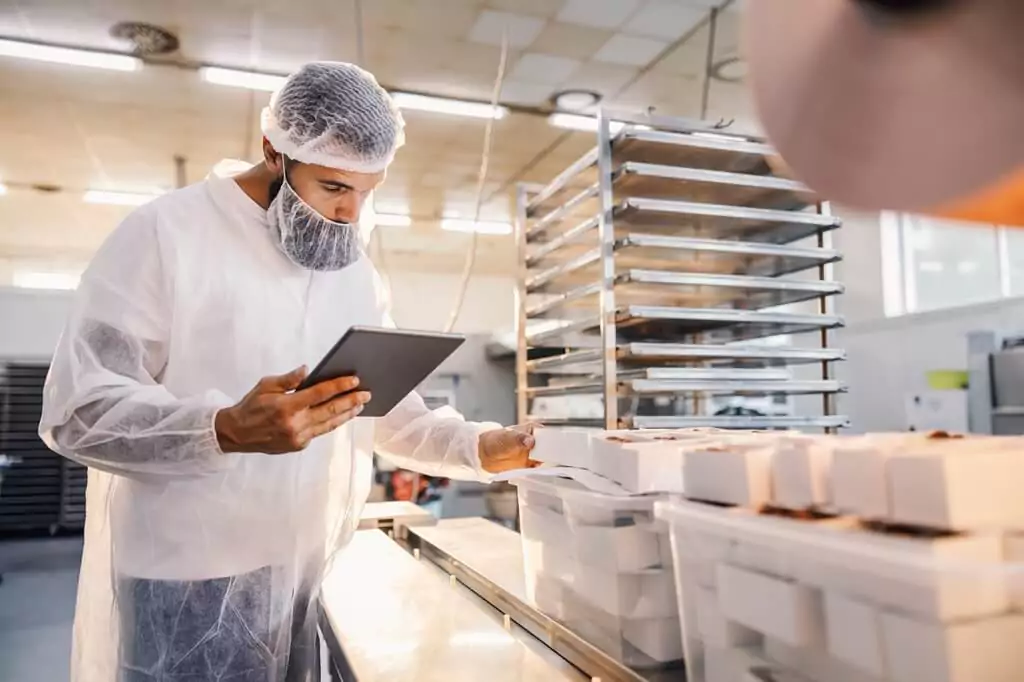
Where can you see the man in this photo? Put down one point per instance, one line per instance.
(213, 504)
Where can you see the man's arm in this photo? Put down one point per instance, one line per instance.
(436, 443)
(102, 404)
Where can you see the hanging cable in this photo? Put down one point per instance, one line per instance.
(481, 180)
(376, 245)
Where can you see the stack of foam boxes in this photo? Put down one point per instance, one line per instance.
(599, 563)
(602, 566)
(889, 558)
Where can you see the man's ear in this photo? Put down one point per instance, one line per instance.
(274, 160)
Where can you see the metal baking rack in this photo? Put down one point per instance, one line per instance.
(654, 267)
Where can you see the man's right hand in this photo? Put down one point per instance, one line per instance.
(272, 420)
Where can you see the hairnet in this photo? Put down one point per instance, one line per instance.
(336, 115)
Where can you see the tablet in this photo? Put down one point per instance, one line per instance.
(390, 363)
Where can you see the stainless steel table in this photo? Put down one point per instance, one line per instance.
(387, 515)
(488, 558)
(393, 618)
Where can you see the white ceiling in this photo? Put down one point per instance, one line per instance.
(77, 128)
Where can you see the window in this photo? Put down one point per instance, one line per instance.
(931, 263)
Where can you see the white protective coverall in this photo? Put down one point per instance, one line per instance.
(185, 307)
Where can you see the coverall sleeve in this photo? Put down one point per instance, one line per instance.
(433, 442)
(103, 404)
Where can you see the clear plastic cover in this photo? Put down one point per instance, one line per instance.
(830, 599)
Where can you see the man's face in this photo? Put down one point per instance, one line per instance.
(334, 194)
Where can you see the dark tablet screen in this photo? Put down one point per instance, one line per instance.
(390, 363)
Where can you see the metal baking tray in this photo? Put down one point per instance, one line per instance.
(588, 361)
(696, 150)
(687, 254)
(689, 219)
(736, 422)
(668, 324)
(679, 289)
(714, 221)
(639, 387)
(570, 208)
(706, 374)
(657, 181)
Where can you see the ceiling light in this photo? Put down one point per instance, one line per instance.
(442, 105)
(393, 220)
(730, 70)
(252, 80)
(3, 189)
(45, 280)
(478, 226)
(715, 136)
(100, 196)
(587, 124)
(68, 55)
(575, 100)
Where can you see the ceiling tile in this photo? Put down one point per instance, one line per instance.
(490, 26)
(598, 13)
(688, 58)
(449, 18)
(629, 50)
(540, 8)
(668, 20)
(603, 78)
(569, 40)
(521, 92)
(533, 67)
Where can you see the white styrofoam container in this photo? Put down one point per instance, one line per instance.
(813, 663)
(858, 480)
(732, 474)
(801, 469)
(563, 446)
(939, 606)
(854, 632)
(643, 464)
(601, 565)
(991, 649)
(777, 607)
(967, 489)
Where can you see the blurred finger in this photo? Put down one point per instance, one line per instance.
(339, 405)
(282, 383)
(325, 391)
(333, 423)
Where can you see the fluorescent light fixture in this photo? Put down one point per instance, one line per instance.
(478, 226)
(443, 105)
(3, 189)
(100, 196)
(716, 136)
(45, 280)
(252, 80)
(69, 55)
(587, 124)
(393, 220)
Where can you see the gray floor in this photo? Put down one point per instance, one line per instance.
(37, 604)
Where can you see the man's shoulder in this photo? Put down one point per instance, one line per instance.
(184, 199)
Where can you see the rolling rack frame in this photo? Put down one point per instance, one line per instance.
(661, 185)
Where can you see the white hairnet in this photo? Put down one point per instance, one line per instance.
(336, 115)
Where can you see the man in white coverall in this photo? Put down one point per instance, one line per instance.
(214, 505)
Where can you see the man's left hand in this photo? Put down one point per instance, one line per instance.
(506, 449)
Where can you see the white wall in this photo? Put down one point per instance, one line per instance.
(889, 358)
(31, 321)
(425, 301)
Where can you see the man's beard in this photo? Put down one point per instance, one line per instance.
(307, 238)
